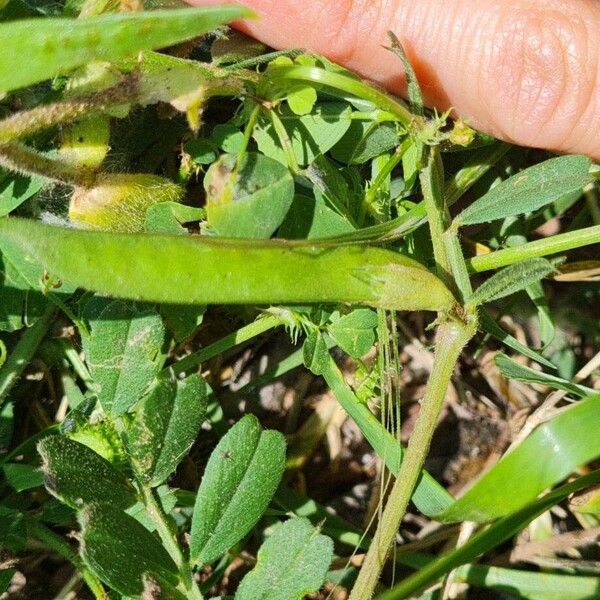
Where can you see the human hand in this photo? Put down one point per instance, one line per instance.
(526, 71)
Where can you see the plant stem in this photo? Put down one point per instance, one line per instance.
(248, 131)
(286, 143)
(371, 194)
(451, 337)
(20, 158)
(169, 539)
(544, 247)
(459, 266)
(432, 185)
(28, 122)
(347, 84)
(255, 61)
(23, 352)
(240, 336)
(56, 543)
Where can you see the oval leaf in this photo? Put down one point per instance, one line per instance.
(249, 199)
(43, 48)
(195, 269)
(310, 135)
(122, 350)
(529, 190)
(121, 551)
(354, 332)
(77, 476)
(241, 477)
(165, 426)
(292, 563)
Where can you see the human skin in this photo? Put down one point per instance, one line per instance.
(526, 71)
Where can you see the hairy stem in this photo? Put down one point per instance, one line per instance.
(28, 122)
(451, 339)
(347, 84)
(236, 338)
(20, 158)
(432, 186)
(544, 247)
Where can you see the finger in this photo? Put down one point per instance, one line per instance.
(527, 71)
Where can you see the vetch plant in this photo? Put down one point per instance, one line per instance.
(208, 187)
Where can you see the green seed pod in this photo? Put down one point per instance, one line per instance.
(192, 269)
(118, 202)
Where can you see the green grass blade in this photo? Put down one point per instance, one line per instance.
(530, 585)
(200, 270)
(37, 49)
(551, 453)
(487, 539)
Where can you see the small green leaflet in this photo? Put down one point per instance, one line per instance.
(240, 479)
(530, 190)
(120, 550)
(292, 563)
(489, 325)
(248, 199)
(510, 280)
(77, 476)
(123, 350)
(165, 426)
(415, 96)
(21, 476)
(16, 189)
(513, 370)
(355, 331)
(311, 135)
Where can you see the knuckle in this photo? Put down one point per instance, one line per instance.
(537, 72)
